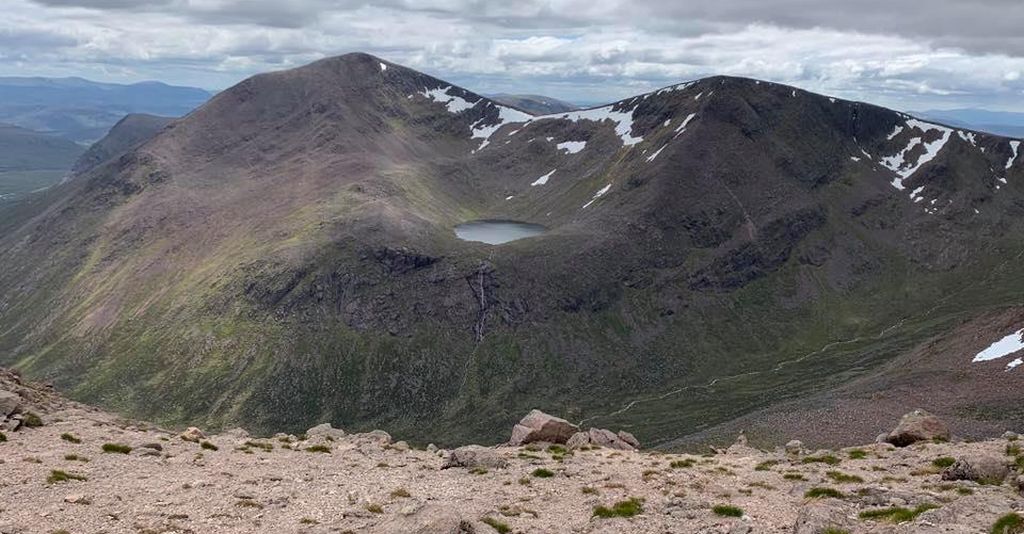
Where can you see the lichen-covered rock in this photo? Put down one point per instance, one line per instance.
(983, 468)
(629, 438)
(915, 426)
(539, 426)
(9, 403)
(472, 456)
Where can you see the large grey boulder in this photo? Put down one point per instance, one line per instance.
(472, 456)
(915, 426)
(983, 468)
(539, 426)
(9, 403)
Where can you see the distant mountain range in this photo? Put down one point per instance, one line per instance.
(997, 122)
(534, 104)
(82, 110)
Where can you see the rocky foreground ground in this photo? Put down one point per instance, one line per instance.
(69, 468)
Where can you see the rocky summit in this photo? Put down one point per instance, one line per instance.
(718, 255)
(68, 467)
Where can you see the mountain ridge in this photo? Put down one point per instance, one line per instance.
(285, 253)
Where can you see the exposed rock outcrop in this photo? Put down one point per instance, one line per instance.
(474, 456)
(982, 468)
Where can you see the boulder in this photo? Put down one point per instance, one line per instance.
(325, 430)
(629, 438)
(983, 468)
(599, 437)
(9, 403)
(915, 426)
(400, 446)
(192, 434)
(794, 446)
(472, 456)
(429, 519)
(379, 438)
(821, 516)
(539, 426)
(238, 433)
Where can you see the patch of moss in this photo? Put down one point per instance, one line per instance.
(628, 508)
(70, 438)
(766, 465)
(682, 464)
(896, 514)
(843, 478)
(1011, 523)
(727, 510)
(540, 472)
(319, 448)
(821, 492)
(116, 448)
(823, 459)
(857, 454)
(496, 524)
(63, 476)
(943, 462)
(31, 420)
(208, 446)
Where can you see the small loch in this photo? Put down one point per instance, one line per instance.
(497, 231)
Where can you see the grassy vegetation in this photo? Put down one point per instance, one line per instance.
(116, 448)
(57, 476)
(821, 492)
(31, 420)
(727, 510)
(319, 448)
(1011, 523)
(943, 462)
(400, 493)
(896, 514)
(75, 458)
(374, 508)
(496, 524)
(827, 459)
(857, 454)
(793, 476)
(766, 465)
(263, 445)
(627, 508)
(70, 438)
(208, 446)
(540, 472)
(843, 478)
(682, 464)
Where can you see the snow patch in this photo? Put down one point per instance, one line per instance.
(1004, 347)
(623, 120)
(505, 115)
(454, 103)
(904, 169)
(969, 137)
(894, 133)
(572, 147)
(383, 67)
(1014, 363)
(543, 179)
(1014, 146)
(854, 158)
(598, 195)
(510, 197)
(652, 156)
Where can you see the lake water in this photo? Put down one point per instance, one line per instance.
(496, 232)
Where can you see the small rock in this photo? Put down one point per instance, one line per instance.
(579, 439)
(76, 498)
(472, 456)
(1010, 435)
(915, 426)
(400, 446)
(325, 430)
(431, 448)
(983, 468)
(539, 426)
(794, 446)
(192, 434)
(238, 433)
(629, 438)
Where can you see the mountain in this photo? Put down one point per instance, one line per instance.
(83, 110)
(534, 104)
(130, 131)
(996, 122)
(285, 255)
(32, 160)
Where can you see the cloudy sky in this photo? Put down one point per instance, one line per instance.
(908, 54)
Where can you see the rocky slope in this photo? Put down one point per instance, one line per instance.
(132, 130)
(285, 255)
(79, 469)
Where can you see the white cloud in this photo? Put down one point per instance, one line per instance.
(577, 50)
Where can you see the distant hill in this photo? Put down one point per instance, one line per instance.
(534, 104)
(998, 122)
(84, 110)
(130, 131)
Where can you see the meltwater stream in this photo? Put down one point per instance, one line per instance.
(496, 232)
